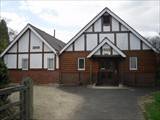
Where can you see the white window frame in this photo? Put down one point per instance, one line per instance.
(136, 62)
(22, 64)
(84, 63)
(48, 64)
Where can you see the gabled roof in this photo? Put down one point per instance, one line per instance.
(118, 19)
(106, 40)
(54, 44)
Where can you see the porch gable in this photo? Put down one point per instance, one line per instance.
(106, 48)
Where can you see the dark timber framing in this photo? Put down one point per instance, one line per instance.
(93, 28)
(97, 38)
(29, 47)
(110, 23)
(54, 61)
(141, 45)
(115, 39)
(107, 32)
(101, 51)
(119, 26)
(101, 24)
(30, 52)
(17, 53)
(42, 55)
(111, 50)
(73, 46)
(85, 42)
(129, 41)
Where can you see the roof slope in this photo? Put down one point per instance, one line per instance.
(54, 42)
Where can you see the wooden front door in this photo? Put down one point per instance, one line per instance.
(108, 72)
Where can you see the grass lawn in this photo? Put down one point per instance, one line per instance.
(152, 107)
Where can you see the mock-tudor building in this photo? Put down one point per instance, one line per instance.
(107, 51)
(33, 53)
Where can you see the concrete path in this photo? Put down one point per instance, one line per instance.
(80, 103)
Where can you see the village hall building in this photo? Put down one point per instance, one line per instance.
(107, 51)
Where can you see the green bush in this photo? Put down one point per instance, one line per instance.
(157, 97)
(153, 109)
(4, 77)
(158, 75)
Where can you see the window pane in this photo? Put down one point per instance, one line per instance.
(24, 63)
(50, 63)
(133, 63)
(106, 20)
(81, 63)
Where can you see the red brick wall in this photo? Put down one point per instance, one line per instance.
(38, 76)
(69, 66)
(144, 76)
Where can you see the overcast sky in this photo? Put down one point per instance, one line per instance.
(68, 17)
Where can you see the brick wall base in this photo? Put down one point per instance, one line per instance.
(38, 76)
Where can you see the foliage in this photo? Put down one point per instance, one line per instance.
(4, 37)
(158, 75)
(155, 41)
(4, 77)
(153, 109)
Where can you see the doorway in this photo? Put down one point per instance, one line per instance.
(108, 72)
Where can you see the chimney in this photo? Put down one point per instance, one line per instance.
(54, 33)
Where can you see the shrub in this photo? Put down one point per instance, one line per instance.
(158, 75)
(4, 78)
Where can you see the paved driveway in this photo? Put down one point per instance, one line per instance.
(80, 103)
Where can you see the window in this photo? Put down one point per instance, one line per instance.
(24, 64)
(81, 63)
(133, 63)
(50, 64)
(36, 47)
(106, 20)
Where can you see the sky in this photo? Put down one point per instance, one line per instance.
(68, 17)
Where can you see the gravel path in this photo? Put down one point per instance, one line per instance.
(80, 103)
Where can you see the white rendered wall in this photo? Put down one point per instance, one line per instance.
(35, 61)
(122, 41)
(115, 25)
(35, 41)
(106, 28)
(10, 61)
(98, 52)
(46, 56)
(24, 42)
(91, 40)
(123, 28)
(145, 47)
(134, 42)
(70, 48)
(114, 52)
(110, 36)
(97, 25)
(13, 48)
(20, 57)
(46, 48)
(89, 29)
(79, 44)
(104, 52)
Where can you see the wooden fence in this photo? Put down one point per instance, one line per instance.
(25, 102)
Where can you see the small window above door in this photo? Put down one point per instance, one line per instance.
(106, 20)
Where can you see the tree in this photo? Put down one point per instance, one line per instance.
(4, 37)
(4, 77)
